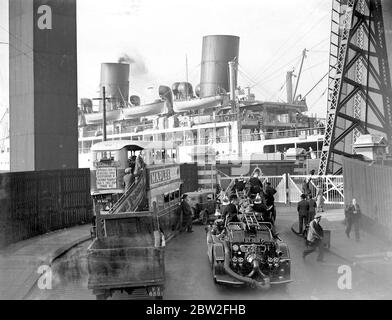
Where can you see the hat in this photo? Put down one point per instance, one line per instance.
(225, 200)
(258, 199)
(184, 196)
(318, 215)
(303, 196)
(268, 183)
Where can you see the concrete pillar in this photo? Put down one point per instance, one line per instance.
(43, 85)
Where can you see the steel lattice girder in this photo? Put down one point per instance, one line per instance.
(371, 92)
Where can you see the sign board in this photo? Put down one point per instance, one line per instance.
(161, 176)
(106, 178)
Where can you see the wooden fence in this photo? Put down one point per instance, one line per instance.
(34, 203)
(372, 187)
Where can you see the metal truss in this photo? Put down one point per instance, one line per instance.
(360, 95)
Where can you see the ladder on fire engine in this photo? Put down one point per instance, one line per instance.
(251, 220)
(338, 52)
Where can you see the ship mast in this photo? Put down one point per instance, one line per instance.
(233, 101)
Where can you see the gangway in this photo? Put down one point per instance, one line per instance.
(133, 197)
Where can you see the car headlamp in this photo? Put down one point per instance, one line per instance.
(235, 247)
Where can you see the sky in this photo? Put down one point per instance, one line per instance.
(158, 35)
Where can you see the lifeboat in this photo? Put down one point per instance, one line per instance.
(204, 103)
(145, 110)
(96, 117)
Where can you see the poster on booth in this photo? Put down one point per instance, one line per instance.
(106, 178)
(163, 176)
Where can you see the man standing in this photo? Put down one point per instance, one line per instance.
(270, 199)
(312, 208)
(186, 213)
(320, 199)
(353, 217)
(306, 188)
(303, 213)
(315, 238)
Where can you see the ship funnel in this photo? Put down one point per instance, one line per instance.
(115, 79)
(218, 51)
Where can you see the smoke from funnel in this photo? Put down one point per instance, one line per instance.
(138, 66)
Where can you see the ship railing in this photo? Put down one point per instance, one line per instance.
(292, 133)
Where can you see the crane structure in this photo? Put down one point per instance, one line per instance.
(359, 88)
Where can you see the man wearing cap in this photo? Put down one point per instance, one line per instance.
(315, 238)
(303, 213)
(187, 213)
(230, 212)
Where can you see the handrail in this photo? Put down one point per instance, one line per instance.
(128, 193)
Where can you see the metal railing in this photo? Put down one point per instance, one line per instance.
(292, 133)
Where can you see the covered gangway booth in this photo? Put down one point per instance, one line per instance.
(120, 150)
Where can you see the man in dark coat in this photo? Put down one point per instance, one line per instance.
(239, 185)
(303, 213)
(306, 188)
(230, 212)
(312, 208)
(270, 199)
(255, 185)
(353, 217)
(187, 213)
